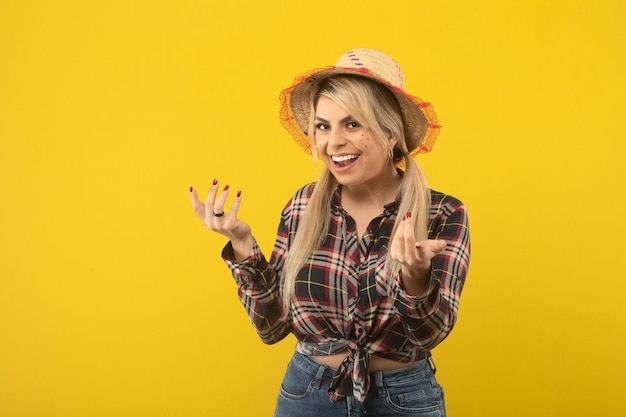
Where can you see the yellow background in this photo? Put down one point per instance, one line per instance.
(113, 298)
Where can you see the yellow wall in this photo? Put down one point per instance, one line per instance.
(114, 300)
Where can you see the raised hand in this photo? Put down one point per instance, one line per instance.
(213, 215)
(414, 256)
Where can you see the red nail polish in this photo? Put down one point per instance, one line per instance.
(408, 215)
(190, 189)
(239, 193)
(214, 182)
(226, 188)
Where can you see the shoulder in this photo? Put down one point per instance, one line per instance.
(297, 203)
(302, 196)
(305, 191)
(444, 204)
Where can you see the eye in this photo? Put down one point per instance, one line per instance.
(353, 125)
(321, 126)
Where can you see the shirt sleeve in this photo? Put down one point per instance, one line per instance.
(258, 283)
(428, 318)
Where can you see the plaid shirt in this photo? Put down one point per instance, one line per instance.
(345, 299)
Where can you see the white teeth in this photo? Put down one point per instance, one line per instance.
(344, 158)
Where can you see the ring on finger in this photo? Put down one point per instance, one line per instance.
(218, 214)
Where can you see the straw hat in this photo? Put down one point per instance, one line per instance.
(420, 121)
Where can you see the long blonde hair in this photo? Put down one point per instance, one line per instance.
(375, 108)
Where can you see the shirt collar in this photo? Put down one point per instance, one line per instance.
(335, 202)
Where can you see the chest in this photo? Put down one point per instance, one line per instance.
(347, 270)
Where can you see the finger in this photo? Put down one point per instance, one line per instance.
(409, 231)
(234, 208)
(436, 246)
(431, 247)
(197, 205)
(412, 256)
(439, 245)
(396, 245)
(210, 199)
(218, 207)
(399, 241)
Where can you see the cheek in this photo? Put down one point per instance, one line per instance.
(320, 146)
(364, 141)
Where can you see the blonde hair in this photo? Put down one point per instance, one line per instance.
(375, 108)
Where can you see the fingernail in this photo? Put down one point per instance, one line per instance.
(214, 182)
(226, 188)
(190, 189)
(408, 214)
(239, 193)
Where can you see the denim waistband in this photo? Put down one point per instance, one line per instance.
(311, 366)
(417, 370)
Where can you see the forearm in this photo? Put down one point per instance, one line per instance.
(428, 317)
(415, 280)
(266, 313)
(242, 248)
(259, 291)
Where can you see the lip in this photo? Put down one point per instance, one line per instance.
(339, 169)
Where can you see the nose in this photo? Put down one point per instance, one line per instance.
(336, 139)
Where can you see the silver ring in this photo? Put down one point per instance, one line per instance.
(218, 214)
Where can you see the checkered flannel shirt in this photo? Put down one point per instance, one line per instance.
(345, 299)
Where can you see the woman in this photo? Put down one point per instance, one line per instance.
(369, 263)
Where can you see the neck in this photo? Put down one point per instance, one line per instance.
(375, 194)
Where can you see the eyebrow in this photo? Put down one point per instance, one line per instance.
(345, 119)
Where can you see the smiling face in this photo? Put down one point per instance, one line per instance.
(350, 150)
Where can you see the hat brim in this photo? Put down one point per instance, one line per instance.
(420, 121)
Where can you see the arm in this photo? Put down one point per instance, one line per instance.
(259, 286)
(430, 314)
(257, 280)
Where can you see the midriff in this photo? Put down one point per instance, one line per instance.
(377, 363)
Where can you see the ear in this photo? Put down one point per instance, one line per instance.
(392, 142)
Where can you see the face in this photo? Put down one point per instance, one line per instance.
(349, 150)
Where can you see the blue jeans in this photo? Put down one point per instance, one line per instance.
(409, 391)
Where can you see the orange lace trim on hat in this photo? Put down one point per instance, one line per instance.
(288, 120)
